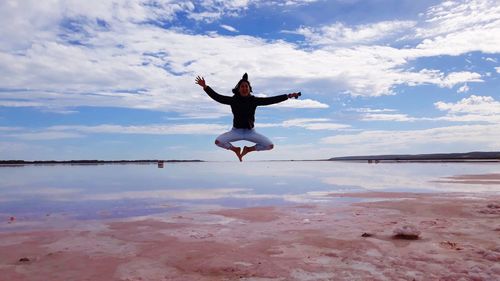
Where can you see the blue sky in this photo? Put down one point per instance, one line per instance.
(106, 79)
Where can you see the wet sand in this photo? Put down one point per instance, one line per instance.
(459, 240)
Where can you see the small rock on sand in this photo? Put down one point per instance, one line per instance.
(450, 245)
(408, 232)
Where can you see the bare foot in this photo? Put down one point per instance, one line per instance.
(237, 150)
(247, 150)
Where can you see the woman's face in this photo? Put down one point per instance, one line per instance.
(244, 89)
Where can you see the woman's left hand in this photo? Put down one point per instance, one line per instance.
(294, 95)
(200, 81)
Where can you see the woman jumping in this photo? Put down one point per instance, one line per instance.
(243, 106)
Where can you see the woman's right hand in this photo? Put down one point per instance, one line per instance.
(200, 81)
(294, 95)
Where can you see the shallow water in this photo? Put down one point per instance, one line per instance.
(110, 191)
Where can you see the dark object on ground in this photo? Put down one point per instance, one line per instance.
(406, 237)
(406, 232)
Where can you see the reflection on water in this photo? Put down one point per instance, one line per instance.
(103, 191)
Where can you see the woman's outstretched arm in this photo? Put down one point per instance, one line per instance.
(276, 99)
(215, 96)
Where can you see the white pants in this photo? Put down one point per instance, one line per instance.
(261, 141)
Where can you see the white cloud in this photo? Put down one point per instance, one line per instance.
(387, 117)
(497, 69)
(213, 10)
(141, 65)
(206, 16)
(177, 129)
(228, 28)
(471, 118)
(47, 20)
(301, 103)
(452, 139)
(339, 35)
(459, 16)
(79, 131)
(458, 27)
(443, 139)
(302, 121)
(371, 110)
(471, 109)
(9, 129)
(294, 2)
(181, 194)
(454, 44)
(46, 135)
(463, 89)
(308, 124)
(449, 28)
(324, 126)
(12, 103)
(426, 76)
(125, 63)
(476, 105)
(460, 77)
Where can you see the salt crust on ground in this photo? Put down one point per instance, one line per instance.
(459, 240)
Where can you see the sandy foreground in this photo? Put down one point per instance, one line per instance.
(459, 239)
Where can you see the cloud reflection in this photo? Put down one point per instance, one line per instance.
(134, 189)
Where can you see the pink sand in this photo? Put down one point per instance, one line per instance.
(459, 240)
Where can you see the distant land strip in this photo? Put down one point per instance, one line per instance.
(477, 156)
(436, 157)
(89, 162)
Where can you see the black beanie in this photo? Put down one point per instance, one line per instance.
(236, 89)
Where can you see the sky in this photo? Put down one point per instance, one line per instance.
(111, 80)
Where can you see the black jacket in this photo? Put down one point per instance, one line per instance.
(243, 108)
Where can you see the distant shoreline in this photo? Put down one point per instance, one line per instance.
(90, 162)
(418, 161)
(469, 157)
(426, 158)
